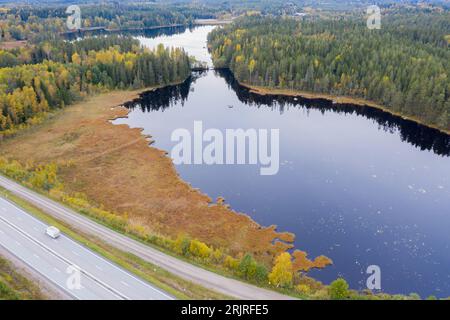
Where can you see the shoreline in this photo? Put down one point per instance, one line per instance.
(263, 91)
(284, 237)
(117, 167)
(196, 23)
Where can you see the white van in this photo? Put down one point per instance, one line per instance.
(53, 232)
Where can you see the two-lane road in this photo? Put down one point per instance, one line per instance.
(64, 261)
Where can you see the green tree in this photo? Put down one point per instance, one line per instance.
(338, 289)
(247, 267)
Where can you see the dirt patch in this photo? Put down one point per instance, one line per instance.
(115, 167)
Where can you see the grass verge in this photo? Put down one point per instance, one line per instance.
(15, 286)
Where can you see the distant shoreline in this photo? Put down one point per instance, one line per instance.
(335, 100)
(199, 22)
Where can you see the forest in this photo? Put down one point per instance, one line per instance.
(404, 66)
(41, 22)
(53, 74)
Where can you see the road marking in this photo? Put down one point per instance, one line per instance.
(18, 243)
(124, 283)
(36, 256)
(60, 257)
(60, 210)
(98, 268)
(75, 253)
(57, 270)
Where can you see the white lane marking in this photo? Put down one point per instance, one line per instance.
(60, 257)
(75, 253)
(57, 270)
(83, 222)
(36, 256)
(68, 213)
(18, 243)
(46, 275)
(98, 268)
(124, 283)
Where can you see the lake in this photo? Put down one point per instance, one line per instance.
(356, 184)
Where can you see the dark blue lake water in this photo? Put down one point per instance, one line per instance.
(356, 184)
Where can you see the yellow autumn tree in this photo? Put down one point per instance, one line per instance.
(282, 272)
(251, 67)
(76, 58)
(199, 249)
(182, 245)
(231, 263)
(239, 59)
(217, 255)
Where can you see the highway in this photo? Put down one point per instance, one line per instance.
(75, 269)
(230, 287)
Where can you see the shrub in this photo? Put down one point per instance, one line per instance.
(321, 294)
(44, 177)
(199, 249)
(261, 273)
(137, 230)
(217, 256)
(414, 296)
(247, 267)
(13, 169)
(41, 177)
(181, 245)
(303, 289)
(250, 269)
(338, 289)
(231, 263)
(6, 293)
